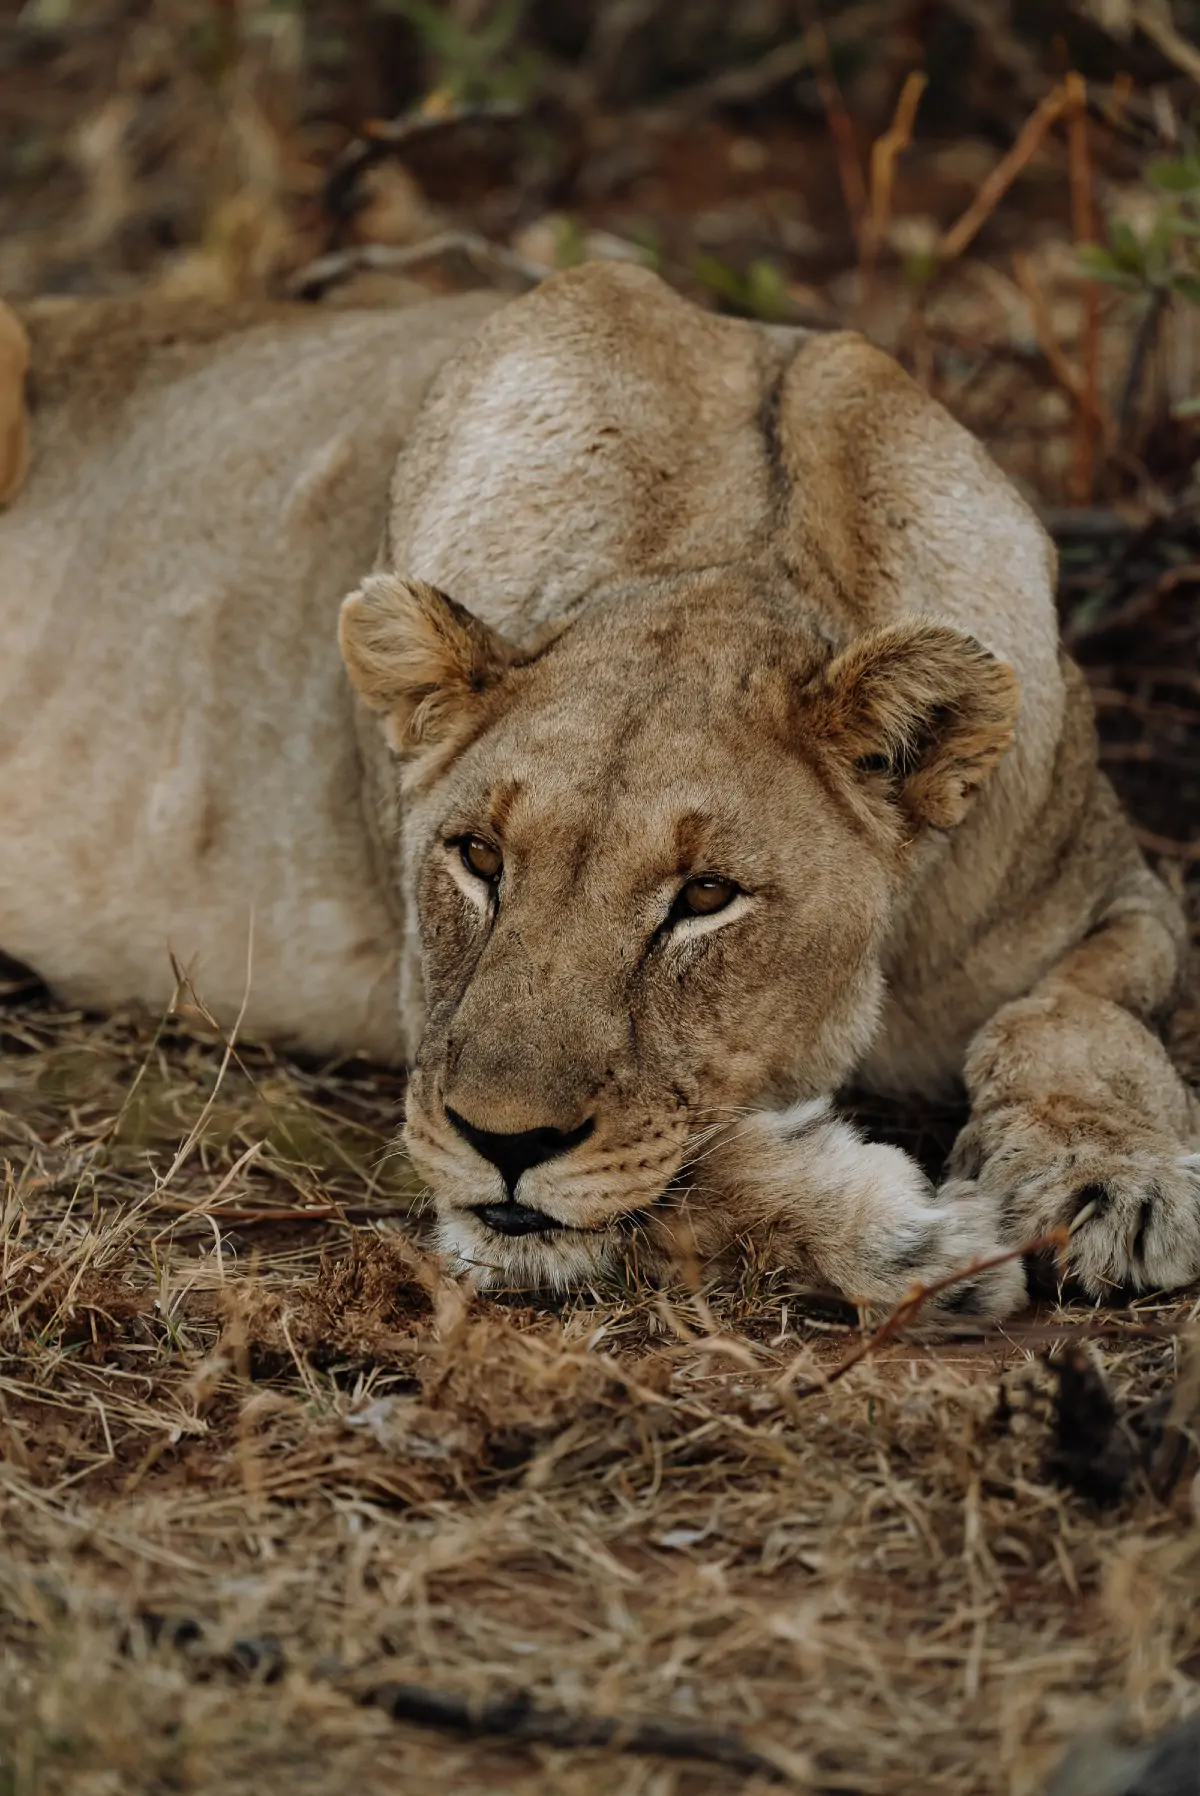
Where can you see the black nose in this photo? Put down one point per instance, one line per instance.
(512, 1155)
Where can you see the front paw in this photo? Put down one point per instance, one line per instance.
(1131, 1206)
(936, 1242)
(859, 1217)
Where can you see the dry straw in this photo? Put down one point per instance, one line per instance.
(242, 1400)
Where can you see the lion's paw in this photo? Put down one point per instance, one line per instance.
(934, 1238)
(864, 1218)
(1133, 1218)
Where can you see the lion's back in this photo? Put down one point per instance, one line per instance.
(176, 746)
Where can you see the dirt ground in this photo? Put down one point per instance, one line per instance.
(281, 1508)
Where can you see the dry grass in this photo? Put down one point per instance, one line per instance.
(232, 1390)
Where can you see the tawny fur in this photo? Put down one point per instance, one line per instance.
(722, 599)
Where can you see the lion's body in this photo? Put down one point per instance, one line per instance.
(176, 740)
(722, 580)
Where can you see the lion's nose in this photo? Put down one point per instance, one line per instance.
(512, 1155)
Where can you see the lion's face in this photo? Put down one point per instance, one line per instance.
(653, 865)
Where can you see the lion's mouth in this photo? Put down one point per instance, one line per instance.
(517, 1219)
(514, 1219)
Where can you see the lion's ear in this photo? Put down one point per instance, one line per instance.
(922, 707)
(417, 658)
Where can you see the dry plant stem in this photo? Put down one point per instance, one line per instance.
(1107, 698)
(1083, 226)
(841, 125)
(993, 190)
(1176, 851)
(1154, 18)
(318, 276)
(734, 87)
(884, 152)
(907, 1311)
(1143, 343)
(1091, 409)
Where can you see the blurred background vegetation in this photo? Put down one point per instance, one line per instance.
(1005, 193)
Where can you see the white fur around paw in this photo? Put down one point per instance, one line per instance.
(874, 1226)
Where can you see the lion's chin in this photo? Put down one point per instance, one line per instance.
(555, 1262)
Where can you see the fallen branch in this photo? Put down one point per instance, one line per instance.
(514, 1717)
(518, 1718)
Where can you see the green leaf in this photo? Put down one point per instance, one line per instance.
(1187, 284)
(1098, 262)
(766, 292)
(570, 242)
(1126, 248)
(720, 279)
(1179, 175)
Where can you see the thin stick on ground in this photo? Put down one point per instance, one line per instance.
(908, 1310)
(518, 1718)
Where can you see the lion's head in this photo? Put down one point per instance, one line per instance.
(654, 859)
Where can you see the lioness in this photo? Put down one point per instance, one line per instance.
(706, 745)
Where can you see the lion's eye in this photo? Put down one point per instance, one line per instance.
(481, 858)
(705, 895)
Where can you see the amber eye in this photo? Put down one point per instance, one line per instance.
(705, 895)
(481, 858)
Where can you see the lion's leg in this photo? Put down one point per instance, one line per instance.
(842, 1213)
(14, 413)
(1078, 1117)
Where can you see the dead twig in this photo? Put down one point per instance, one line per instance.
(1088, 407)
(1144, 340)
(884, 153)
(517, 1717)
(837, 117)
(1176, 851)
(1153, 17)
(734, 87)
(1029, 141)
(318, 276)
(389, 137)
(1112, 698)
